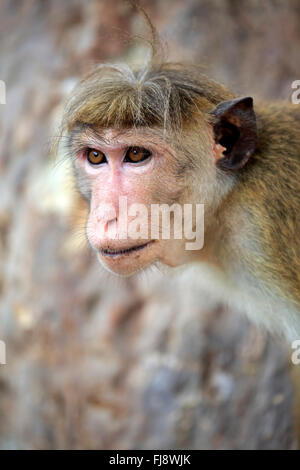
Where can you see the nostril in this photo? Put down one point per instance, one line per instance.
(108, 224)
(105, 214)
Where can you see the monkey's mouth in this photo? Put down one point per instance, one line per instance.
(112, 253)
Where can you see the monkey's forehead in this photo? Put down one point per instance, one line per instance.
(115, 138)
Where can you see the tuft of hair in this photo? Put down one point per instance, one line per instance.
(159, 94)
(167, 96)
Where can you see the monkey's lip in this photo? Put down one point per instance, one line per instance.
(116, 253)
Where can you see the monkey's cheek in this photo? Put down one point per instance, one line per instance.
(172, 253)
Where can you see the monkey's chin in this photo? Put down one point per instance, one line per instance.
(126, 262)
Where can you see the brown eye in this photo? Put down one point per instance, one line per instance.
(136, 154)
(95, 157)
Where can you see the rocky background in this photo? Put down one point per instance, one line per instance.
(144, 363)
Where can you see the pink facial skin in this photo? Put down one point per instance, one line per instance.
(140, 182)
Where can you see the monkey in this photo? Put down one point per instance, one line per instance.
(165, 133)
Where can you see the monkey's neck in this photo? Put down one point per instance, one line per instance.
(228, 241)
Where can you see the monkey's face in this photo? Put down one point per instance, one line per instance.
(185, 155)
(136, 199)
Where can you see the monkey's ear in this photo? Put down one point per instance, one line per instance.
(235, 129)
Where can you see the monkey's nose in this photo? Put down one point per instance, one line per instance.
(107, 224)
(105, 213)
(106, 218)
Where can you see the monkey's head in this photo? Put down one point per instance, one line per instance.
(147, 147)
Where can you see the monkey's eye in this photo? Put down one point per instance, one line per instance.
(137, 154)
(95, 157)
